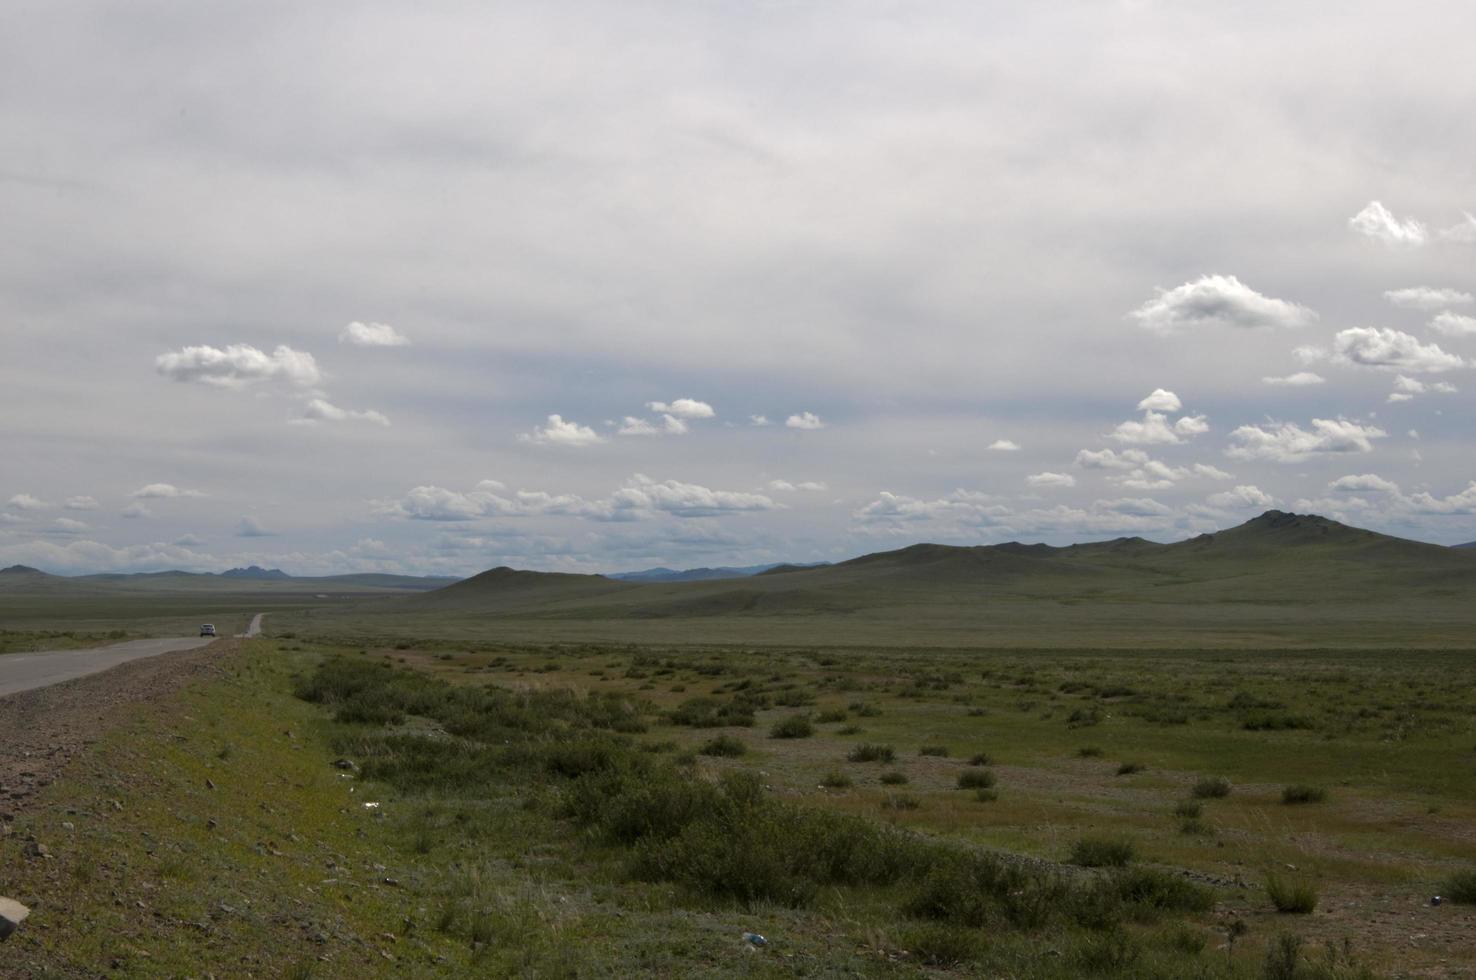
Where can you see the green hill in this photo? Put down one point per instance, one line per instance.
(1277, 579)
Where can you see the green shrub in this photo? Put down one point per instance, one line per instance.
(1128, 768)
(1188, 808)
(981, 759)
(710, 713)
(986, 795)
(970, 889)
(1296, 897)
(1195, 827)
(795, 726)
(1461, 887)
(1211, 787)
(832, 715)
(727, 746)
(849, 730)
(901, 801)
(1295, 795)
(866, 752)
(1158, 891)
(1282, 954)
(940, 751)
(1089, 752)
(975, 779)
(1102, 852)
(836, 780)
(894, 778)
(1111, 952)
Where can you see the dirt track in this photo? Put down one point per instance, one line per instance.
(42, 729)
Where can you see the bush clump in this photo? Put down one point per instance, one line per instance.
(894, 778)
(1211, 788)
(866, 752)
(1295, 795)
(795, 726)
(1289, 896)
(1128, 768)
(836, 780)
(940, 944)
(1461, 887)
(726, 746)
(940, 751)
(1102, 852)
(975, 779)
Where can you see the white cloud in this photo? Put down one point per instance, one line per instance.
(683, 408)
(1004, 446)
(135, 510)
(80, 503)
(1388, 349)
(1405, 389)
(674, 426)
(1213, 472)
(1051, 480)
(161, 491)
(1107, 459)
(1464, 231)
(250, 527)
(1218, 301)
(1460, 503)
(759, 420)
(1454, 324)
(1427, 298)
(804, 420)
(560, 433)
(632, 426)
(641, 493)
(6, 518)
(1311, 354)
(1191, 425)
(1160, 401)
(1134, 507)
(83, 556)
(487, 499)
(1298, 380)
(1379, 223)
(321, 410)
(189, 541)
(24, 501)
(1154, 429)
(239, 365)
(961, 506)
(1363, 483)
(1287, 442)
(65, 525)
(807, 486)
(372, 335)
(1240, 497)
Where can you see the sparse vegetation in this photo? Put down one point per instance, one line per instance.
(1461, 887)
(1211, 788)
(1101, 852)
(1299, 794)
(795, 726)
(727, 746)
(1128, 768)
(975, 779)
(866, 752)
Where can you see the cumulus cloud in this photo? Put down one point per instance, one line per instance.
(1241, 497)
(1287, 442)
(1371, 494)
(1454, 324)
(1107, 459)
(1160, 401)
(560, 433)
(372, 335)
(1464, 231)
(487, 499)
(1405, 389)
(161, 491)
(239, 365)
(683, 408)
(759, 420)
(1363, 483)
(1299, 380)
(66, 525)
(1154, 429)
(80, 503)
(189, 541)
(321, 410)
(961, 506)
(24, 501)
(1049, 479)
(1212, 472)
(641, 493)
(1392, 350)
(674, 426)
(632, 426)
(1427, 298)
(83, 555)
(1004, 446)
(1218, 301)
(250, 527)
(1379, 223)
(7, 518)
(135, 510)
(804, 420)
(810, 486)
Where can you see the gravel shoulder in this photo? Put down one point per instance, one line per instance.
(42, 729)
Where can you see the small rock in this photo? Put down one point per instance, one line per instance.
(344, 764)
(12, 914)
(67, 825)
(36, 849)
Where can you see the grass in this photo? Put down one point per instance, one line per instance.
(1129, 768)
(795, 726)
(1299, 794)
(866, 752)
(1460, 887)
(724, 746)
(1291, 896)
(976, 779)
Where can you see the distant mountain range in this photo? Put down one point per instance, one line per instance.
(1468, 544)
(23, 578)
(702, 574)
(1277, 578)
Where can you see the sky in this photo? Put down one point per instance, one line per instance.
(573, 286)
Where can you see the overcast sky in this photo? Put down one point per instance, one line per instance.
(436, 287)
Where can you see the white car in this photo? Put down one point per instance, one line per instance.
(207, 630)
